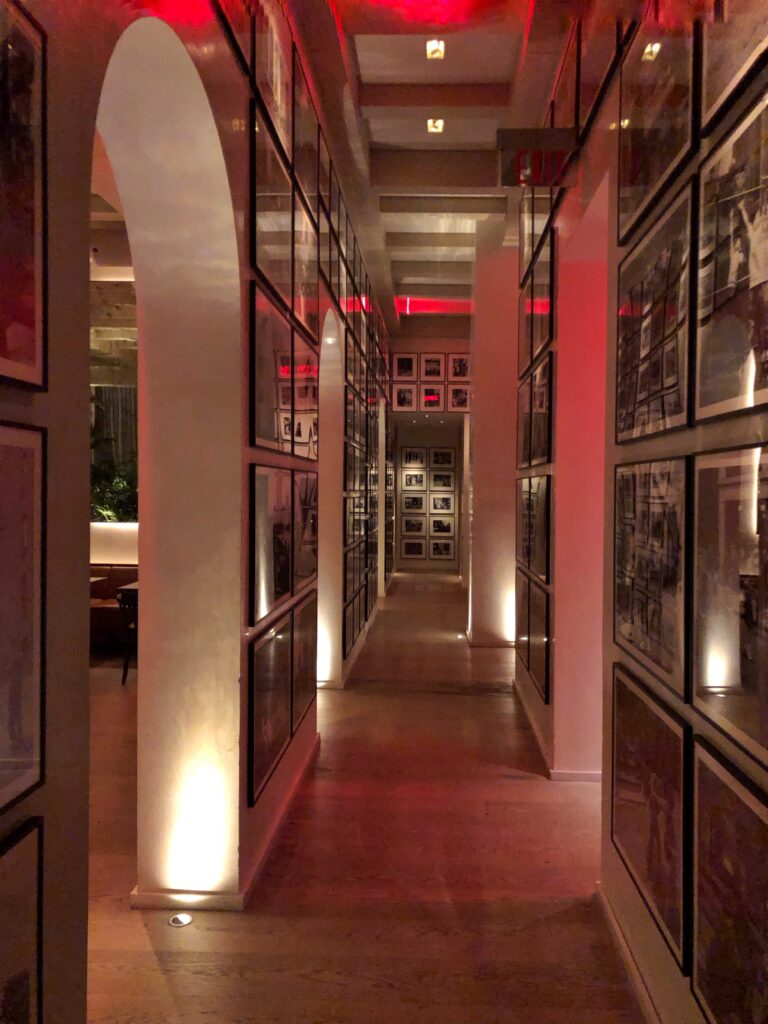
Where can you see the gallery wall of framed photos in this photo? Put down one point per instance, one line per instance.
(426, 381)
(429, 474)
(687, 436)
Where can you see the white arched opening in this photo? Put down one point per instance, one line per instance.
(330, 546)
(162, 142)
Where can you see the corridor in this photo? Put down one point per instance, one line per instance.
(427, 870)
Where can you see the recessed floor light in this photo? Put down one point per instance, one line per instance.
(435, 49)
(435, 125)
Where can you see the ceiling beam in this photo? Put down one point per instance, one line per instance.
(438, 291)
(456, 95)
(468, 206)
(432, 239)
(442, 271)
(434, 168)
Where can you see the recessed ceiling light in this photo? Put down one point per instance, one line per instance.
(435, 125)
(180, 920)
(651, 52)
(435, 49)
(625, 122)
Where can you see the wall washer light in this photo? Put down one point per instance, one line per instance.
(435, 49)
(435, 125)
(180, 920)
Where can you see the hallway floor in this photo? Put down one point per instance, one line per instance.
(427, 873)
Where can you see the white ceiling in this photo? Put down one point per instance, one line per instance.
(471, 55)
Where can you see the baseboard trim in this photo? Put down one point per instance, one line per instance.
(647, 1008)
(489, 643)
(558, 776)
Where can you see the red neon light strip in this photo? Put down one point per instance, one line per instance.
(413, 305)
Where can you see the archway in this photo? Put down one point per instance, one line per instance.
(163, 144)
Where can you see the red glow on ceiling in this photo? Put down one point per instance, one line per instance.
(175, 12)
(441, 12)
(414, 305)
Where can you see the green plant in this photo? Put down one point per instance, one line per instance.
(114, 485)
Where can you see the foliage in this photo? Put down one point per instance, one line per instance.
(114, 485)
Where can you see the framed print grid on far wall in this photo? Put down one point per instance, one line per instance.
(23, 245)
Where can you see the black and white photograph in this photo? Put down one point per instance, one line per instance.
(652, 328)
(432, 398)
(524, 327)
(20, 936)
(441, 481)
(413, 503)
(413, 548)
(539, 640)
(414, 480)
(522, 595)
(541, 406)
(413, 458)
(533, 497)
(269, 687)
(405, 398)
(442, 458)
(271, 531)
(655, 122)
(459, 398)
(414, 526)
(432, 367)
(442, 549)
(732, 45)
(732, 327)
(730, 603)
(405, 366)
(649, 577)
(524, 424)
(459, 367)
(541, 316)
(442, 526)
(443, 503)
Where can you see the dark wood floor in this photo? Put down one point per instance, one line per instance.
(428, 873)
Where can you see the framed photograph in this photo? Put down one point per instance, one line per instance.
(405, 397)
(524, 424)
(432, 398)
(269, 699)
(273, 66)
(23, 289)
(541, 405)
(415, 504)
(459, 398)
(22, 609)
(537, 526)
(649, 567)
(653, 328)
(21, 910)
(413, 526)
(442, 503)
(442, 458)
(647, 802)
(522, 521)
(525, 230)
(442, 549)
(730, 892)
(305, 137)
(413, 458)
(405, 366)
(732, 324)
(271, 536)
(732, 47)
(442, 526)
(522, 596)
(305, 268)
(414, 480)
(539, 640)
(432, 367)
(272, 199)
(305, 531)
(656, 114)
(542, 313)
(413, 548)
(236, 15)
(304, 658)
(459, 367)
(525, 327)
(442, 480)
(730, 603)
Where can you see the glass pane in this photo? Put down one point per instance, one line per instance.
(524, 327)
(272, 213)
(541, 431)
(271, 401)
(565, 93)
(305, 299)
(524, 423)
(731, 594)
(306, 369)
(305, 527)
(538, 640)
(522, 590)
(274, 49)
(325, 174)
(270, 538)
(304, 658)
(598, 48)
(731, 46)
(305, 154)
(325, 246)
(270, 699)
(541, 303)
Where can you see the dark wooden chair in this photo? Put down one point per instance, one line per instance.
(128, 602)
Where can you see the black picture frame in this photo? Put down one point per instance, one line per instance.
(541, 411)
(653, 331)
(539, 640)
(20, 995)
(524, 424)
(525, 327)
(522, 613)
(743, 60)
(730, 888)
(238, 26)
(650, 143)
(650, 567)
(731, 332)
(270, 366)
(31, 43)
(270, 659)
(649, 805)
(278, 576)
(533, 525)
(24, 590)
(542, 294)
(304, 663)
